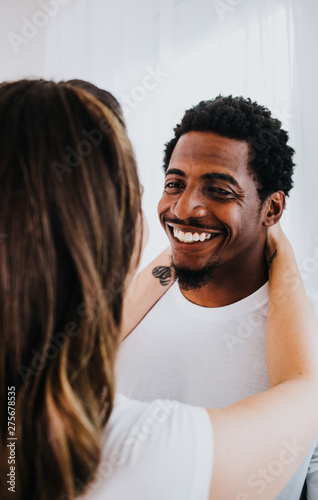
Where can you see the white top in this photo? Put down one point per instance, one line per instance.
(157, 451)
(210, 357)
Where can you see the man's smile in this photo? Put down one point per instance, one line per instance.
(191, 235)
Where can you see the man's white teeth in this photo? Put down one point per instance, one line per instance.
(189, 237)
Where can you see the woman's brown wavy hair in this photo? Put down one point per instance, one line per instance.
(69, 206)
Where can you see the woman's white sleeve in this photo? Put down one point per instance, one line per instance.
(155, 451)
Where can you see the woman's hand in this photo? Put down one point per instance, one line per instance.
(276, 241)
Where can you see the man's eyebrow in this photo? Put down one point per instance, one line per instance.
(210, 175)
(223, 177)
(175, 171)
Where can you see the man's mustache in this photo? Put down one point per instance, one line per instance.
(192, 222)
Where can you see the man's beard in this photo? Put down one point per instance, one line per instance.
(193, 279)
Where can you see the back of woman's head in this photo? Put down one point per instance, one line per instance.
(101, 95)
(69, 203)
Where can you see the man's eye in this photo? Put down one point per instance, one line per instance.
(172, 185)
(217, 190)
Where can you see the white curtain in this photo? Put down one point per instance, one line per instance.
(159, 57)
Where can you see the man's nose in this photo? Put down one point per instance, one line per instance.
(190, 204)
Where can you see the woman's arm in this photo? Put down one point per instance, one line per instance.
(145, 290)
(261, 441)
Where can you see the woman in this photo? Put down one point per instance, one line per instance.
(70, 221)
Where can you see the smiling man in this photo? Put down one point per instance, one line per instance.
(215, 220)
(228, 170)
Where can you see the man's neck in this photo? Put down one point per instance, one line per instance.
(228, 287)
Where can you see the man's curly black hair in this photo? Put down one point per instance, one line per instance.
(270, 158)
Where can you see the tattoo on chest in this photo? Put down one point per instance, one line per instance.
(163, 273)
(269, 262)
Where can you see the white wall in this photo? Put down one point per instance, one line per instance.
(30, 55)
(159, 57)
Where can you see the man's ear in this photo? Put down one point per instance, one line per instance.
(273, 208)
